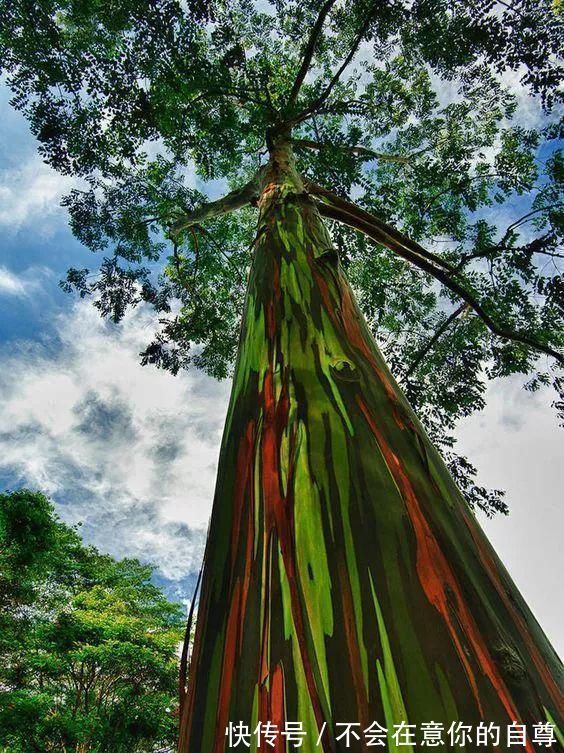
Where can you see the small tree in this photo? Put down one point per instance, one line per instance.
(345, 576)
(88, 646)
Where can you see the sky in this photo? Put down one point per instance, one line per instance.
(130, 452)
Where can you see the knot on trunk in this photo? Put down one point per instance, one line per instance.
(345, 371)
(511, 663)
(328, 255)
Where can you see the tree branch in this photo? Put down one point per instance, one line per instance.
(526, 217)
(316, 104)
(383, 228)
(501, 246)
(422, 352)
(534, 247)
(309, 50)
(234, 200)
(465, 182)
(382, 233)
(358, 151)
(216, 245)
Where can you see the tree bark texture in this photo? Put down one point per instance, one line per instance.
(345, 578)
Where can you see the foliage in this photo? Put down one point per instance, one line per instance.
(88, 645)
(403, 106)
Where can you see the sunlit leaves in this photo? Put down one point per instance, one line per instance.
(88, 645)
(145, 100)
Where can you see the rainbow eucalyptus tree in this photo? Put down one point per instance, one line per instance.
(326, 200)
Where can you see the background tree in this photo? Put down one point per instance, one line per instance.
(88, 645)
(391, 122)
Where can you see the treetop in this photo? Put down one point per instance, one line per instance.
(407, 124)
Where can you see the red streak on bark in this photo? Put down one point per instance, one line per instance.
(264, 667)
(347, 320)
(435, 573)
(352, 646)
(244, 470)
(276, 709)
(228, 664)
(186, 712)
(271, 482)
(279, 514)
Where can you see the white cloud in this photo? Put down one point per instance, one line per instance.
(529, 112)
(22, 285)
(132, 453)
(10, 284)
(516, 444)
(129, 451)
(31, 193)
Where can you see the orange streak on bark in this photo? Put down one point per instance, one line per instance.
(228, 664)
(352, 646)
(347, 320)
(277, 711)
(434, 573)
(279, 513)
(188, 706)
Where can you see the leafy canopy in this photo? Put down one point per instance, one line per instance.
(400, 106)
(88, 645)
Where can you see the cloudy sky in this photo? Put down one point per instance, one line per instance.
(131, 452)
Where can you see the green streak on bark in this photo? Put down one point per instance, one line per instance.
(557, 730)
(388, 677)
(345, 578)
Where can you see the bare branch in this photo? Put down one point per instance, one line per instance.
(526, 217)
(382, 233)
(316, 104)
(309, 50)
(226, 256)
(234, 200)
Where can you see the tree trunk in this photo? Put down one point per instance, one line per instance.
(345, 578)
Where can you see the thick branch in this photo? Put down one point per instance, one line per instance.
(358, 151)
(309, 50)
(234, 200)
(422, 352)
(387, 236)
(383, 228)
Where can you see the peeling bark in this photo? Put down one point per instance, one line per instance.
(345, 578)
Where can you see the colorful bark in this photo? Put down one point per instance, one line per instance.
(345, 579)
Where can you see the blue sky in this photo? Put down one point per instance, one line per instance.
(131, 452)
